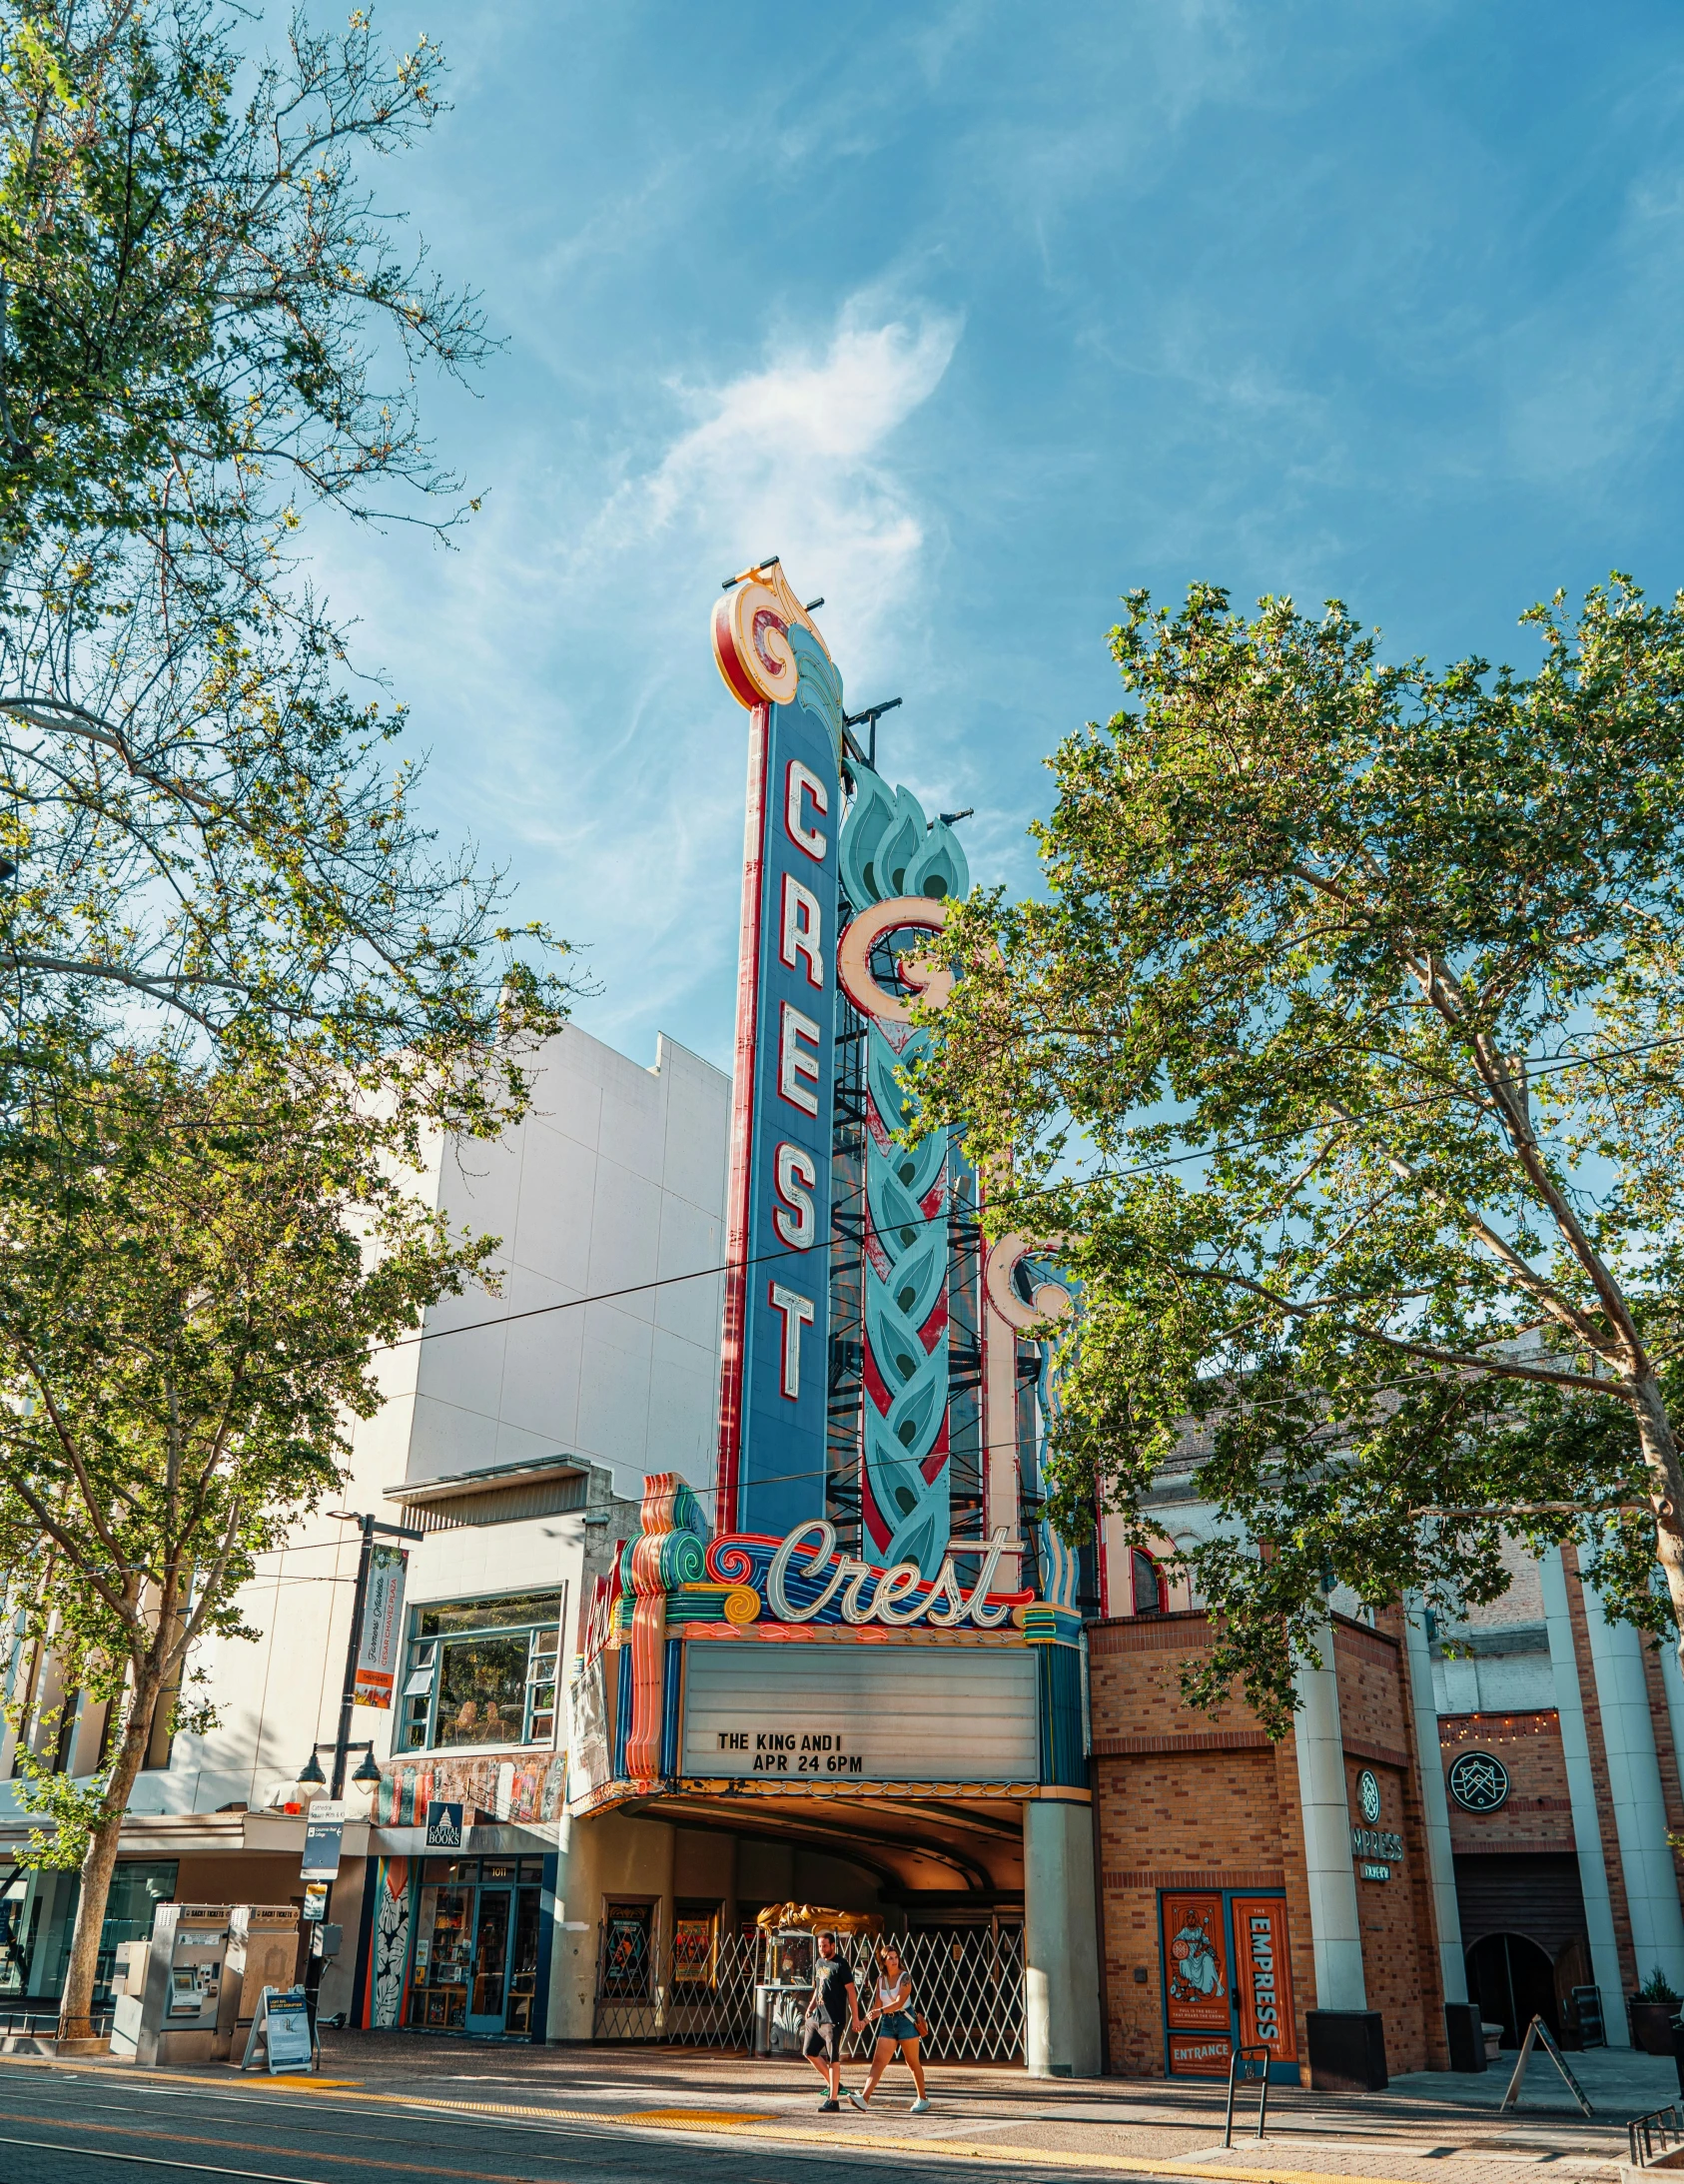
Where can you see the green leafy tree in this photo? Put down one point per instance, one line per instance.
(1342, 1057)
(195, 1267)
(207, 329)
(239, 982)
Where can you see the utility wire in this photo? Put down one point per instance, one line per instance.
(1050, 1190)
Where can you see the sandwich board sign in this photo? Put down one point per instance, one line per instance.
(282, 2025)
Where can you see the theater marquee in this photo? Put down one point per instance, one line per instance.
(861, 1713)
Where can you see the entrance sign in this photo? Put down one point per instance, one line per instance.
(323, 1830)
(799, 1715)
(778, 1294)
(383, 1626)
(1197, 2007)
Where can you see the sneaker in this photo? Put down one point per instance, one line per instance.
(921, 2106)
(858, 2099)
(830, 2107)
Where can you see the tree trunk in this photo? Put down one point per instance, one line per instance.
(76, 2004)
(1666, 1489)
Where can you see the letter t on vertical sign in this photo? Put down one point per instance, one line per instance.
(777, 1291)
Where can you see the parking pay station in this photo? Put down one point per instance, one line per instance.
(205, 1969)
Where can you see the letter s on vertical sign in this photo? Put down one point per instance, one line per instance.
(794, 1220)
(796, 779)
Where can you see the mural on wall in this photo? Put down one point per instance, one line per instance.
(528, 1786)
(390, 1954)
(898, 872)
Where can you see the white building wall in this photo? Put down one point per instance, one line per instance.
(615, 1178)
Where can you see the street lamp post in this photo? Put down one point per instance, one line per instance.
(342, 1745)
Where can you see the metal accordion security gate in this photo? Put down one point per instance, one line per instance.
(966, 1979)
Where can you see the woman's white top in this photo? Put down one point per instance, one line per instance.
(892, 1994)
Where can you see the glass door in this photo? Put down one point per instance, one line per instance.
(491, 1960)
(438, 1990)
(524, 1964)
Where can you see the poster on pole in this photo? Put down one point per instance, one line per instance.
(382, 1627)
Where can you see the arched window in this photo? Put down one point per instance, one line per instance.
(1148, 1583)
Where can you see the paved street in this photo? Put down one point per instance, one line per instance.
(387, 2111)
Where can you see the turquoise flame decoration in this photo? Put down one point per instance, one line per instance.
(818, 688)
(888, 850)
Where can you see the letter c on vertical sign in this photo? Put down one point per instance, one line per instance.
(794, 1220)
(799, 778)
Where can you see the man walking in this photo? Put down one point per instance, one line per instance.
(835, 2005)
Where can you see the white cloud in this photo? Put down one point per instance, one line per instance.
(794, 458)
(566, 673)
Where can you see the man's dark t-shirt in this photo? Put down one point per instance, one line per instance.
(830, 1996)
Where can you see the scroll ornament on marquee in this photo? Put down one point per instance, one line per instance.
(751, 641)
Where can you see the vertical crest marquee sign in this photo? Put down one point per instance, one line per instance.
(777, 1305)
(859, 1297)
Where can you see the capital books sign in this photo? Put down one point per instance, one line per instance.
(382, 1638)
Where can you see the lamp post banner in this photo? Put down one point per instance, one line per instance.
(382, 1627)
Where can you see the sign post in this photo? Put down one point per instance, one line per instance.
(324, 1831)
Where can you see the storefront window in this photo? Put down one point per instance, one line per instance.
(482, 1673)
(38, 1914)
(479, 1933)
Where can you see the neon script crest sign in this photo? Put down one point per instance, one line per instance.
(777, 1292)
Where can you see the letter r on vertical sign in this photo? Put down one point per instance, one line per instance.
(797, 1313)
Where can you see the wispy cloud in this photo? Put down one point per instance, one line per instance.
(796, 458)
(581, 600)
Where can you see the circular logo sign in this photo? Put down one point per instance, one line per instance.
(1369, 1795)
(1479, 1782)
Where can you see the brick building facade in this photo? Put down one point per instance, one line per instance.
(1466, 1826)
(1199, 1813)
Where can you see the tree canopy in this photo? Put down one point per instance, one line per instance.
(194, 1268)
(207, 328)
(1342, 1060)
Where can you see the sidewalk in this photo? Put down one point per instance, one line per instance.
(1430, 2128)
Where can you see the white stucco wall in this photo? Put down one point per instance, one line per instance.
(615, 1178)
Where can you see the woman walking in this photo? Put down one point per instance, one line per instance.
(897, 2026)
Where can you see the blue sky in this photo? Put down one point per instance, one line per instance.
(981, 315)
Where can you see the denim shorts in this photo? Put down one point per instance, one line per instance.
(898, 2024)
